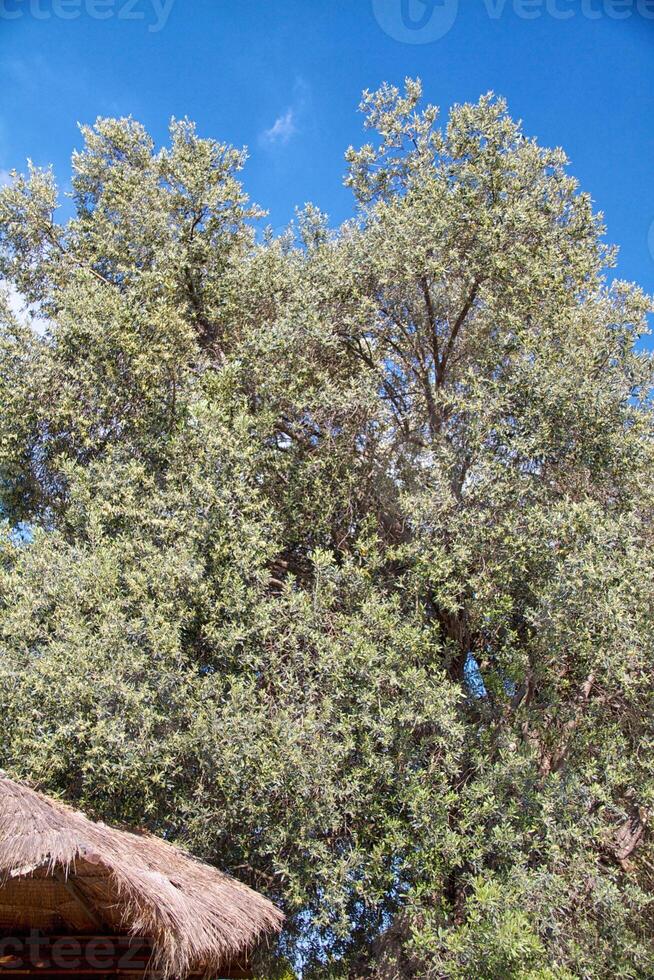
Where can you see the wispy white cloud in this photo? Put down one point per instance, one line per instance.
(31, 72)
(287, 124)
(15, 301)
(23, 313)
(282, 129)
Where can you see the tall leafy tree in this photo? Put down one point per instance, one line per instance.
(331, 554)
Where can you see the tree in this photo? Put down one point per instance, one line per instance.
(338, 562)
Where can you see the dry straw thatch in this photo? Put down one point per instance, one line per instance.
(57, 866)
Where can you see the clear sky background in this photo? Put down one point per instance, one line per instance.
(284, 77)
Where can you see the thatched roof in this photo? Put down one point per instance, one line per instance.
(60, 870)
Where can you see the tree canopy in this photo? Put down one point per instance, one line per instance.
(330, 554)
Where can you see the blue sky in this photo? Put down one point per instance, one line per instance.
(285, 77)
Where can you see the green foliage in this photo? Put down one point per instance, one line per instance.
(330, 555)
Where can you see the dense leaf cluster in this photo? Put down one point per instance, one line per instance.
(330, 555)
